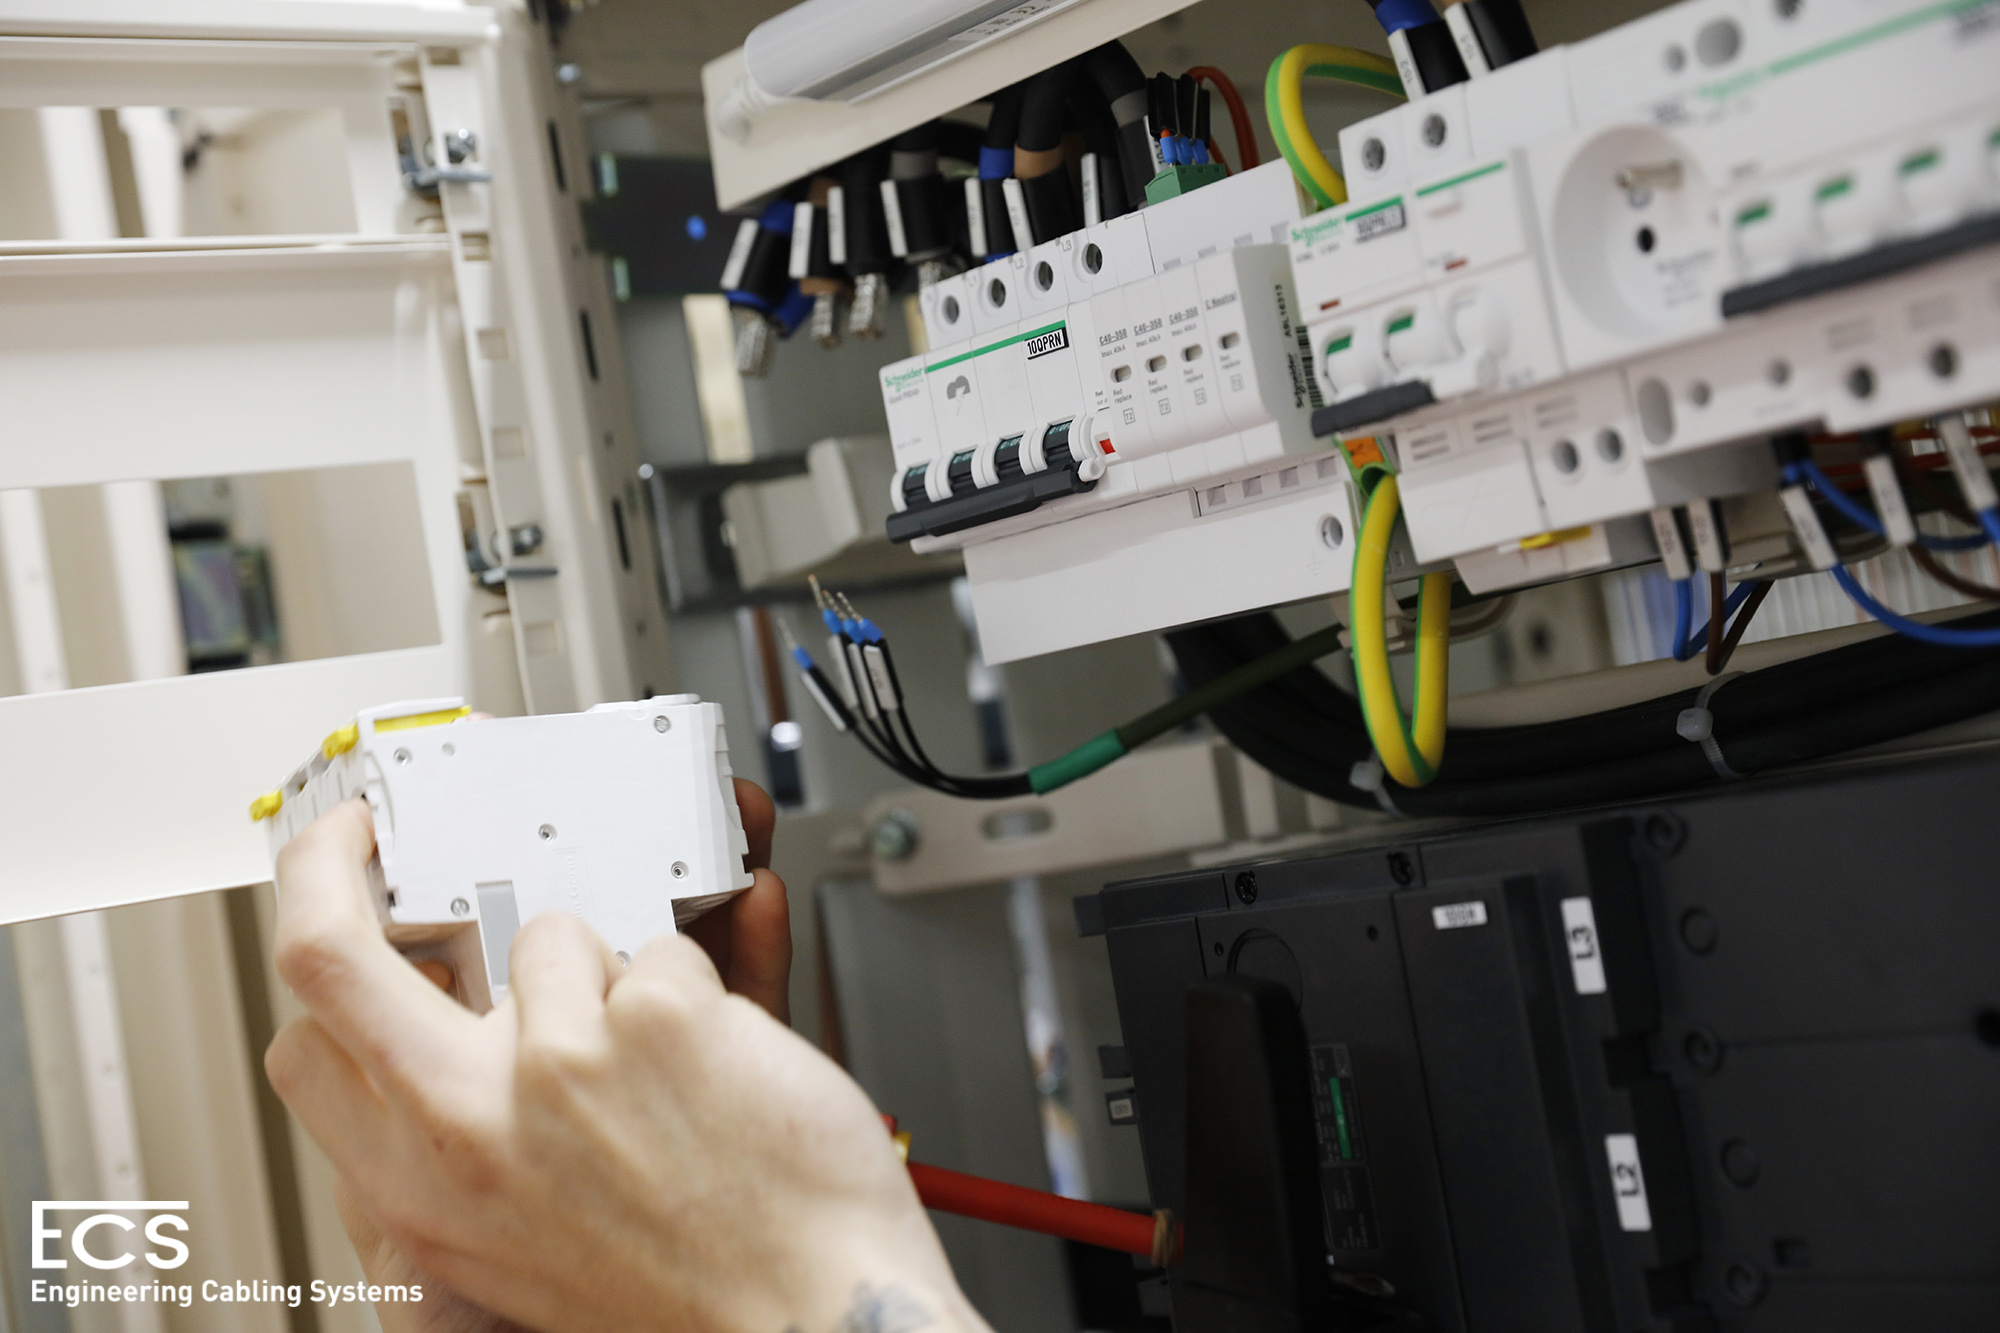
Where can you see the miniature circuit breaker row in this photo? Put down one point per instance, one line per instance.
(624, 816)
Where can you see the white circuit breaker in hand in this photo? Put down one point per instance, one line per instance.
(624, 816)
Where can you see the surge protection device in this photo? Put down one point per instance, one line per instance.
(624, 816)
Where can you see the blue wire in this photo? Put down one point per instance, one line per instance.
(1685, 647)
(1989, 519)
(1806, 470)
(1942, 635)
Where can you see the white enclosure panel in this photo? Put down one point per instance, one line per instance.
(122, 367)
(318, 20)
(90, 823)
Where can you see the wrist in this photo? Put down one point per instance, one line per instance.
(893, 1277)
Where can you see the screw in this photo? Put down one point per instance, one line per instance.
(1743, 1284)
(662, 723)
(547, 832)
(1331, 532)
(1944, 361)
(1861, 382)
(1699, 931)
(894, 836)
(1703, 1050)
(402, 756)
(1402, 869)
(1373, 154)
(1246, 887)
(1779, 372)
(460, 145)
(680, 870)
(449, 749)
(525, 538)
(460, 907)
(1434, 130)
(624, 959)
(1740, 1164)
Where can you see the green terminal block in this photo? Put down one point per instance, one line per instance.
(1172, 182)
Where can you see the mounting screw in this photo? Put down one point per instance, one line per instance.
(402, 756)
(1402, 869)
(1703, 1050)
(1331, 532)
(1740, 1164)
(525, 538)
(1664, 833)
(662, 722)
(680, 870)
(1861, 382)
(460, 907)
(1373, 154)
(1743, 1284)
(624, 959)
(1944, 361)
(894, 836)
(1246, 887)
(547, 832)
(460, 146)
(1699, 931)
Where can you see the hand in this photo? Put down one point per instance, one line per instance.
(605, 1149)
(749, 938)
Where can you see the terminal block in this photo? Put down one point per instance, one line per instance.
(624, 816)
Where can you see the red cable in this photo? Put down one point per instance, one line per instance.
(1032, 1210)
(1239, 115)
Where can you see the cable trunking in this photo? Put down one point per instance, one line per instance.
(1565, 297)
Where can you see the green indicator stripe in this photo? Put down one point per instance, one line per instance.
(1462, 178)
(1842, 45)
(994, 347)
(1834, 188)
(1923, 161)
(1374, 208)
(1401, 322)
(1754, 213)
(1340, 1120)
(1340, 344)
(1366, 78)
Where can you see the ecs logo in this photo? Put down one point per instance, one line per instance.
(115, 1215)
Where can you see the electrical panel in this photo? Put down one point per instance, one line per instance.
(1560, 287)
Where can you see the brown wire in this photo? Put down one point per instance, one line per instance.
(1938, 570)
(1741, 623)
(1718, 595)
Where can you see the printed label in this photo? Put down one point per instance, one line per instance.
(1055, 340)
(1628, 1182)
(836, 225)
(1457, 916)
(975, 218)
(1380, 222)
(1586, 959)
(739, 254)
(800, 262)
(892, 215)
(1345, 1188)
(1017, 213)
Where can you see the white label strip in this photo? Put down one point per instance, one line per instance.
(1707, 532)
(1457, 916)
(836, 226)
(1093, 204)
(1897, 525)
(1798, 506)
(1586, 958)
(802, 241)
(739, 254)
(1017, 213)
(1628, 1182)
(1667, 533)
(892, 213)
(975, 218)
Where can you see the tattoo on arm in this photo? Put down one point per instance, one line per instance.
(880, 1310)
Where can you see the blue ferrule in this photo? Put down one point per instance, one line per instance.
(1200, 151)
(802, 657)
(749, 300)
(1396, 15)
(831, 620)
(996, 163)
(851, 628)
(869, 633)
(793, 310)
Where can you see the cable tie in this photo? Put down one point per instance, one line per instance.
(1697, 724)
(1368, 776)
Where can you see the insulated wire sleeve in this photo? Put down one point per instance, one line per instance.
(1945, 636)
(1686, 644)
(1411, 749)
(1284, 107)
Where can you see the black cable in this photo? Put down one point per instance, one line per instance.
(1123, 86)
(1038, 160)
(1093, 117)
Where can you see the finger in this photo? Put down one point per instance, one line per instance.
(715, 931)
(328, 1092)
(676, 964)
(759, 818)
(438, 972)
(331, 952)
(760, 952)
(558, 972)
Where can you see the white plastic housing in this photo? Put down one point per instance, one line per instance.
(624, 816)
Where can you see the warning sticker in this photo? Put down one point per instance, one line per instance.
(1351, 1222)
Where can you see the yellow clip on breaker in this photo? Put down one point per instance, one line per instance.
(624, 816)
